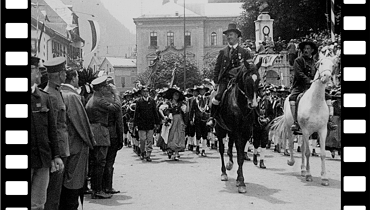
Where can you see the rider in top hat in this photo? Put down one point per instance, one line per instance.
(228, 58)
(304, 72)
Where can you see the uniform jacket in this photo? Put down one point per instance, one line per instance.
(44, 141)
(80, 138)
(98, 108)
(146, 115)
(60, 116)
(224, 63)
(304, 72)
(115, 123)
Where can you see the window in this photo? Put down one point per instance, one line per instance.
(224, 40)
(123, 82)
(170, 39)
(187, 38)
(153, 39)
(213, 39)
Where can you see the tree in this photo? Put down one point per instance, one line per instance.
(292, 18)
(162, 77)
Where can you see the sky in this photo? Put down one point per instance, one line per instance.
(126, 10)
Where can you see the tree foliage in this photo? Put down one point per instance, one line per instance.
(162, 76)
(292, 18)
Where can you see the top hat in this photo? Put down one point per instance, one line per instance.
(232, 28)
(313, 46)
(56, 64)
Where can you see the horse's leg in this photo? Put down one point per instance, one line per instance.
(230, 164)
(303, 165)
(289, 135)
(307, 152)
(240, 144)
(322, 136)
(222, 150)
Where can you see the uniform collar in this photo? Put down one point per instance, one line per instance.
(146, 99)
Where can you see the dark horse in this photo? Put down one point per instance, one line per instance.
(235, 118)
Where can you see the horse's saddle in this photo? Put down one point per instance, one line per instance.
(298, 100)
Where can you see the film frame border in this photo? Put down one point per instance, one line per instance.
(355, 138)
(15, 121)
(22, 124)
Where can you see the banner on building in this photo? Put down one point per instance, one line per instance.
(95, 34)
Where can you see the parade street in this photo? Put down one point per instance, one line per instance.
(194, 182)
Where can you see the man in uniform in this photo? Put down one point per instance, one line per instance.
(44, 142)
(304, 72)
(228, 60)
(98, 108)
(56, 68)
(190, 126)
(116, 143)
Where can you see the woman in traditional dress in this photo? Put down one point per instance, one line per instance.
(176, 136)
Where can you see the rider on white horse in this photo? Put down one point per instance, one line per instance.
(304, 72)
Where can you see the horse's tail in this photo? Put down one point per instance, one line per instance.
(278, 127)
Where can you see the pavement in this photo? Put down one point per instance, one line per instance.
(194, 182)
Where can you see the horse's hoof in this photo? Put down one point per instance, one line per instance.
(238, 184)
(325, 182)
(303, 173)
(290, 163)
(309, 178)
(229, 165)
(242, 189)
(224, 177)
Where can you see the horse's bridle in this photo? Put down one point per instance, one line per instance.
(320, 72)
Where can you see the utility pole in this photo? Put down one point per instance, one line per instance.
(184, 51)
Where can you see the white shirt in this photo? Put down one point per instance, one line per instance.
(233, 46)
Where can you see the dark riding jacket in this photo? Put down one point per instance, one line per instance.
(304, 72)
(225, 63)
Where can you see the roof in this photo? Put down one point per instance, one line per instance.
(223, 10)
(169, 10)
(121, 62)
(199, 9)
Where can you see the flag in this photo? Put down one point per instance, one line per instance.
(173, 76)
(95, 34)
(39, 41)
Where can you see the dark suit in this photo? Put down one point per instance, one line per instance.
(225, 63)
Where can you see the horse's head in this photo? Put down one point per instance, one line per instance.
(248, 81)
(325, 68)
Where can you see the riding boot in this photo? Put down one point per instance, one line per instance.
(211, 120)
(295, 126)
(262, 164)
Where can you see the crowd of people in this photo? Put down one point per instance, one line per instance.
(76, 138)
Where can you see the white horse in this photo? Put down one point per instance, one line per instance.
(313, 116)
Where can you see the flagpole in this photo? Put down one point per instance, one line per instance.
(37, 28)
(184, 51)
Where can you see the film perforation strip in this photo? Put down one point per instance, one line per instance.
(355, 164)
(15, 74)
(15, 80)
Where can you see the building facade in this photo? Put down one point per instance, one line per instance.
(122, 70)
(163, 29)
(53, 35)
